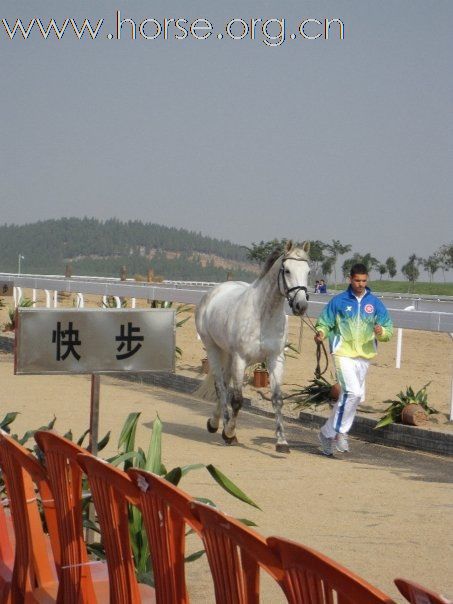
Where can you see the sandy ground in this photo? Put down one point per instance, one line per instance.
(381, 512)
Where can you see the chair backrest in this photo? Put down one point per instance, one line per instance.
(24, 478)
(112, 490)
(7, 540)
(417, 594)
(166, 511)
(235, 554)
(313, 578)
(65, 476)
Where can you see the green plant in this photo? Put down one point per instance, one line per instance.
(23, 303)
(111, 302)
(409, 397)
(317, 392)
(180, 309)
(152, 462)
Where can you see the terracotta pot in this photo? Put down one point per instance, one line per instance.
(413, 415)
(260, 378)
(335, 392)
(204, 365)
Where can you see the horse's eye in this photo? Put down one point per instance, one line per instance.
(286, 271)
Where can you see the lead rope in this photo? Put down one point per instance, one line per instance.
(320, 349)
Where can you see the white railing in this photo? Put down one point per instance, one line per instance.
(191, 292)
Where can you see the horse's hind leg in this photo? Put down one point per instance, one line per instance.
(237, 372)
(276, 376)
(216, 366)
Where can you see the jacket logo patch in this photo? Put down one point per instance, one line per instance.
(369, 308)
(348, 308)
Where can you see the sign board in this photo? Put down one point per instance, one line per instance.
(53, 341)
(6, 288)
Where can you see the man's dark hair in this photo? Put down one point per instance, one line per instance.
(358, 269)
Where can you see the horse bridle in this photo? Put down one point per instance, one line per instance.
(288, 290)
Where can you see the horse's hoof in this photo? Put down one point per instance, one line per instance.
(229, 440)
(282, 448)
(210, 428)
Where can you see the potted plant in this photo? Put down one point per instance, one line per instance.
(317, 392)
(260, 375)
(410, 408)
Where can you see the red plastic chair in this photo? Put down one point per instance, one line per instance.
(112, 491)
(6, 551)
(166, 512)
(81, 581)
(34, 577)
(312, 578)
(417, 594)
(235, 554)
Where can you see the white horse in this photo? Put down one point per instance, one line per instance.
(241, 323)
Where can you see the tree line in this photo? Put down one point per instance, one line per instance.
(325, 256)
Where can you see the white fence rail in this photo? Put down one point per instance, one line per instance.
(430, 313)
(428, 319)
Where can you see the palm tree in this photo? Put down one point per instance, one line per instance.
(410, 270)
(445, 255)
(390, 263)
(431, 265)
(382, 269)
(335, 249)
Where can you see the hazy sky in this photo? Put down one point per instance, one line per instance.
(311, 139)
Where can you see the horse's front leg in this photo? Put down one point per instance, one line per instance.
(276, 376)
(237, 374)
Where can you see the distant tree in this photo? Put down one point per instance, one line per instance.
(349, 263)
(390, 263)
(316, 256)
(335, 249)
(258, 252)
(431, 265)
(370, 262)
(327, 266)
(410, 270)
(445, 255)
(382, 269)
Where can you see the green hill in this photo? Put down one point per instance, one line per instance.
(95, 247)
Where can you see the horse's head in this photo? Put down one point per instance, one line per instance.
(293, 276)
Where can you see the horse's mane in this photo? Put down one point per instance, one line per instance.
(276, 253)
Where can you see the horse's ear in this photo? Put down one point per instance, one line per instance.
(288, 246)
(306, 246)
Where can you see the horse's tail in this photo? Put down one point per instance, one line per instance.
(206, 390)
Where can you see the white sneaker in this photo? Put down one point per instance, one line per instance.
(341, 443)
(326, 444)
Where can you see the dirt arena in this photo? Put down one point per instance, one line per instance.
(379, 511)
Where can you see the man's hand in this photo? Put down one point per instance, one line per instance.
(319, 337)
(378, 330)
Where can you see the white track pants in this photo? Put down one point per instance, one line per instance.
(351, 375)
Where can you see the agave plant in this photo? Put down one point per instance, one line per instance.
(317, 392)
(409, 397)
(110, 302)
(152, 462)
(23, 303)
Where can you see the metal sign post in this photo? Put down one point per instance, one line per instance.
(94, 413)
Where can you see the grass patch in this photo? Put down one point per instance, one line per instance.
(404, 287)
